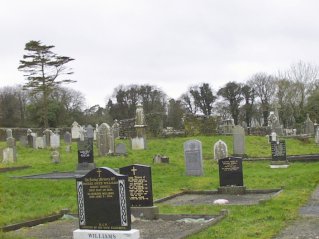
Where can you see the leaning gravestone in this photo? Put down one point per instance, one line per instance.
(140, 191)
(193, 158)
(220, 150)
(278, 155)
(238, 141)
(103, 205)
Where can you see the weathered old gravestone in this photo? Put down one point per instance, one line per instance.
(39, 143)
(160, 159)
(10, 153)
(103, 205)
(67, 141)
(55, 140)
(140, 191)
(238, 141)
(278, 154)
(309, 126)
(103, 139)
(220, 150)
(193, 158)
(273, 137)
(116, 129)
(30, 138)
(230, 171)
(85, 155)
(89, 132)
(317, 136)
(23, 140)
(120, 149)
(47, 134)
(139, 142)
(75, 130)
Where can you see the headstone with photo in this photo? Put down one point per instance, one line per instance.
(231, 175)
(103, 206)
(220, 150)
(140, 191)
(239, 141)
(278, 154)
(193, 158)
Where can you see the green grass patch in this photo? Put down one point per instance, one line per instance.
(24, 199)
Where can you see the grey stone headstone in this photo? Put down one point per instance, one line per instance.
(8, 155)
(317, 136)
(55, 155)
(9, 133)
(309, 126)
(23, 140)
(116, 129)
(239, 141)
(40, 144)
(120, 149)
(193, 158)
(90, 131)
(67, 138)
(75, 130)
(55, 141)
(220, 150)
(103, 142)
(47, 133)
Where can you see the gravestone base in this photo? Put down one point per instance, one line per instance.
(279, 164)
(238, 190)
(85, 167)
(85, 234)
(138, 143)
(147, 213)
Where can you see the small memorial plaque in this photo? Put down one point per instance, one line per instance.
(230, 171)
(140, 184)
(278, 151)
(103, 200)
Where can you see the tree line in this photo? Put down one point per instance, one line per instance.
(45, 101)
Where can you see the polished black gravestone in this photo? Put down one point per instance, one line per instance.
(231, 174)
(85, 155)
(278, 155)
(103, 200)
(140, 191)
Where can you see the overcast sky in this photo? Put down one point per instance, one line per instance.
(172, 44)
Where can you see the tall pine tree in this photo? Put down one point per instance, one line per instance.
(42, 67)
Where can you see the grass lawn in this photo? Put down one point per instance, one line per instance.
(23, 199)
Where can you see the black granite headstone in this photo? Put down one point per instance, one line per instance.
(103, 200)
(85, 151)
(230, 171)
(278, 151)
(140, 184)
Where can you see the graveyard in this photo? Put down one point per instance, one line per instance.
(24, 199)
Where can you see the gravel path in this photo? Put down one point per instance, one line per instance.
(307, 226)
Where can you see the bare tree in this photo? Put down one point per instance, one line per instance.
(265, 88)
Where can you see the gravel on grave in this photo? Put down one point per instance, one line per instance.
(200, 199)
(156, 229)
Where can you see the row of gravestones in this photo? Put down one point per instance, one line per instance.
(105, 197)
(193, 151)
